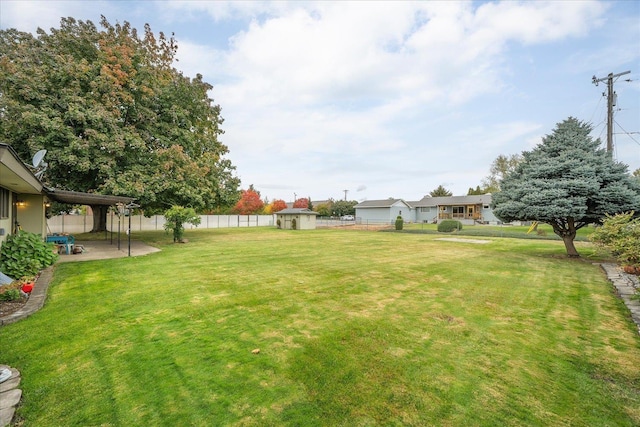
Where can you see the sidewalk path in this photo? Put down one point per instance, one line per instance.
(104, 249)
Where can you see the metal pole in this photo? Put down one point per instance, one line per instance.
(129, 233)
(111, 228)
(610, 114)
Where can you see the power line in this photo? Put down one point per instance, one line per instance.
(628, 134)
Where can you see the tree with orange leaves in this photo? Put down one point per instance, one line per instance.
(249, 203)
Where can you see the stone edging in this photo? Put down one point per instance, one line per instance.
(10, 396)
(627, 286)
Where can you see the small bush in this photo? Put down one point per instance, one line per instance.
(399, 223)
(620, 234)
(278, 224)
(25, 254)
(294, 224)
(449, 225)
(10, 295)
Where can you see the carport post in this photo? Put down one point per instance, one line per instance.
(130, 206)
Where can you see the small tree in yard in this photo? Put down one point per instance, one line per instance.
(249, 203)
(176, 217)
(568, 182)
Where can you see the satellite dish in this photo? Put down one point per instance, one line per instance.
(38, 162)
(37, 159)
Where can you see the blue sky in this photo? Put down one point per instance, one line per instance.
(387, 99)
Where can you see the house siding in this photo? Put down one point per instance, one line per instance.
(382, 213)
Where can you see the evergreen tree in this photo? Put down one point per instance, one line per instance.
(568, 182)
(440, 192)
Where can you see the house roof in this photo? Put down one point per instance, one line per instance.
(297, 211)
(452, 200)
(79, 198)
(386, 203)
(16, 176)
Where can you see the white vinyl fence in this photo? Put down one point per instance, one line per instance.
(84, 223)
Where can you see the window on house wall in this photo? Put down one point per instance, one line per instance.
(485, 207)
(458, 209)
(4, 202)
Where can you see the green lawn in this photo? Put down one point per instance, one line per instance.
(354, 328)
(543, 231)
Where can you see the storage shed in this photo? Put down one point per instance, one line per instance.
(296, 219)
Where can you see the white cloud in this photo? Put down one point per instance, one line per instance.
(29, 15)
(372, 95)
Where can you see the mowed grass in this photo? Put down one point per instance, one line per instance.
(354, 329)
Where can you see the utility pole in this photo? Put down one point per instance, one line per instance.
(611, 102)
(345, 194)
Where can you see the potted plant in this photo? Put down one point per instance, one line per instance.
(27, 284)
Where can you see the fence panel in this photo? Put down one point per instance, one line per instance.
(71, 224)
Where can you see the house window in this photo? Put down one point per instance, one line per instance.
(426, 209)
(485, 207)
(4, 203)
(458, 209)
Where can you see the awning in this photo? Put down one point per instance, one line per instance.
(91, 199)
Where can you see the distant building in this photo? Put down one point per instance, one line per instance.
(296, 218)
(469, 210)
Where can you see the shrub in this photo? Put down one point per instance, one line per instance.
(620, 234)
(12, 294)
(399, 222)
(278, 224)
(449, 225)
(25, 254)
(294, 224)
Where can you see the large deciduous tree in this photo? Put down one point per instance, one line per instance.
(114, 115)
(275, 206)
(500, 168)
(568, 182)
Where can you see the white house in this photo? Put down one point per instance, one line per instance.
(466, 209)
(384, 211)
(22, 202)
